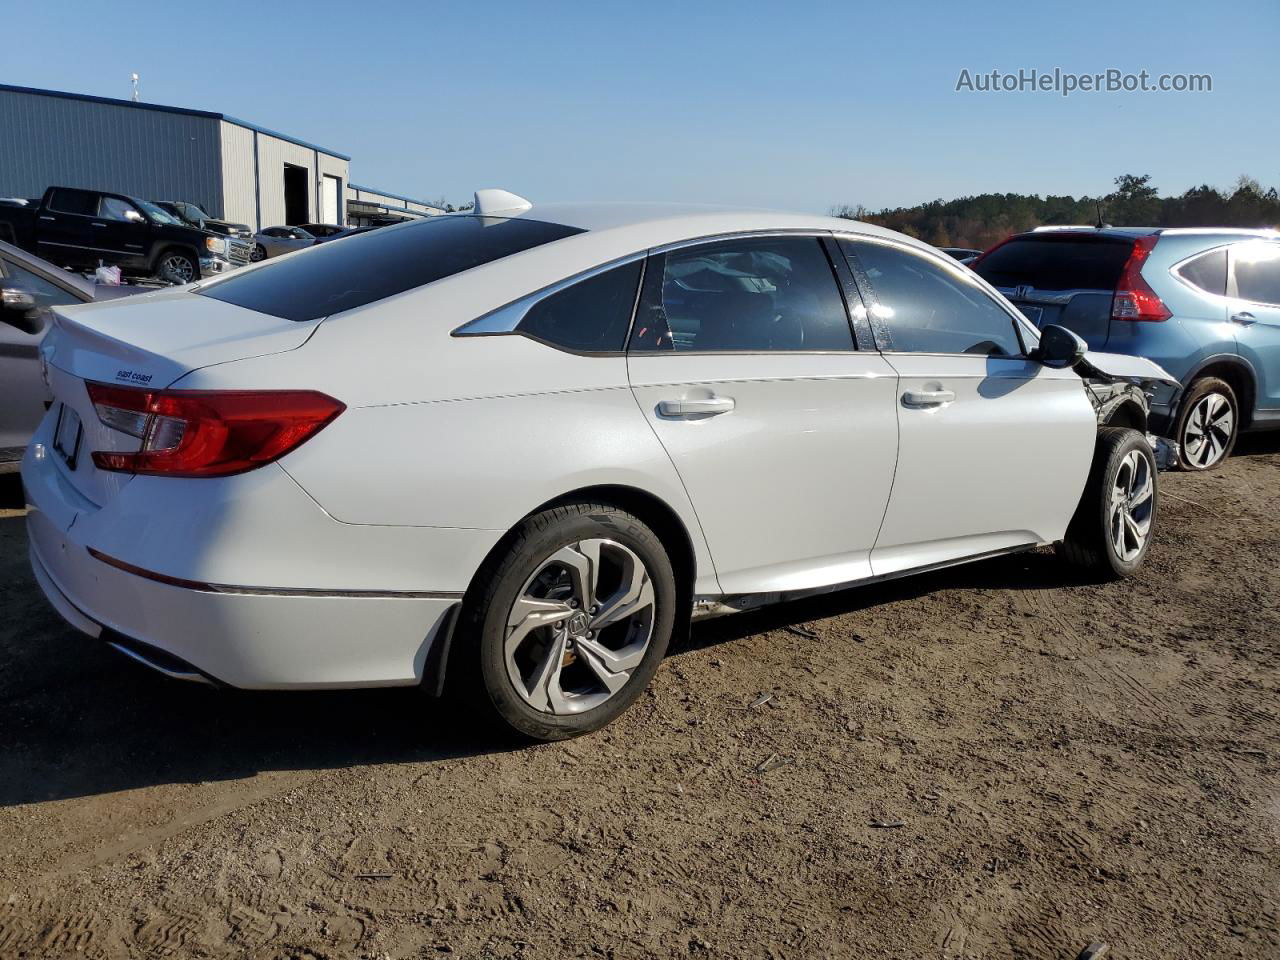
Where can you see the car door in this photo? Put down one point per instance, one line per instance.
(994, 448)
(63, 231)
(22, 389)
(782, 431)
(1253, 290)
(123, 230)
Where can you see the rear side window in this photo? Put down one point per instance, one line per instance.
(1207, 271)
(927, 308)
(1257, 270)
(765, 294)
(1056, 262)
(82, 202)
(591, 316)
(363, 269)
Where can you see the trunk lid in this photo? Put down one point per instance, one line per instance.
(149, 340)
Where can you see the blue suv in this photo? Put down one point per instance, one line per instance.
(1202, 302)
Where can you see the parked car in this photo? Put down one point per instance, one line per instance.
(322, 230)
(240, 237)
(29, 289)
(516, 450)
(963, 254)
(273, 241)
(1203, 303)
(349, 232)
(82, 228)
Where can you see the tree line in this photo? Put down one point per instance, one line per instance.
(983, 220)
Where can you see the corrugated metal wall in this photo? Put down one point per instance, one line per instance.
(273, 154)
(239, 180)
(46, 141)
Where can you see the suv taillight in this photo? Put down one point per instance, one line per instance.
(1134, 299)
(207, 433)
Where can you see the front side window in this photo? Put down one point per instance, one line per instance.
(334, 277)
(1257, 272)
(591, 316)
(47, 293)
(113, 208)
(1207, 271)
(759, 294)
(926, 307)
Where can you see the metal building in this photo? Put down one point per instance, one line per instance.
(235, 170)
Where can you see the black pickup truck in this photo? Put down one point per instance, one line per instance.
(81, 228)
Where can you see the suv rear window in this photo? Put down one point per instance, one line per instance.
(1049, 262)
(368, 267)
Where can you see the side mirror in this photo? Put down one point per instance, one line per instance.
(18, 308)
(1059, 347)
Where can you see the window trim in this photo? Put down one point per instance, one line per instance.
(1028, 337)
(1176, 270)
(505, 320)
(1233, 290)
(821, 236)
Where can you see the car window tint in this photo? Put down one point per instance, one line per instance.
(113, 208)
(1056, 262)
(927, 307)
(1257, 270)
(591, 315)
(334, 277)
(1207, 271)
(47, 293)
(74, 201)
(756, 294)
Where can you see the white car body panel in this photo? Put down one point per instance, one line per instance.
(789, 485)
(340, 563)
(1000, 466)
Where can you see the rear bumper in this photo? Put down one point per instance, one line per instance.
(253, 641)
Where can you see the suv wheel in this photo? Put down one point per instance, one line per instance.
(1208, 424)
(568, 625)
(1111, 531)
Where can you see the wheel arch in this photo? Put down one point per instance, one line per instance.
(1236, 372)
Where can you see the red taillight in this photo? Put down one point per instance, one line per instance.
(1134, 299)
(207, 433)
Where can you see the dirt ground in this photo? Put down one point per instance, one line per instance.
(993, 761)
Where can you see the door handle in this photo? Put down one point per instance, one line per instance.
(42, 217)
(694, 408)
(927, 398)
(96, 224)
(1244, 318)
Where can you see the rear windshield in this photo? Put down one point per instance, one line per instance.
(367, 267)
(1056, 263)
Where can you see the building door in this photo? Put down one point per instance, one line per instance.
(296, 208)
(330, 191)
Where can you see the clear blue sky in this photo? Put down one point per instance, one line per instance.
(790, 105)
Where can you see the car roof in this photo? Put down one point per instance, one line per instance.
(21, 257)
(1132, 232)
(658, 223)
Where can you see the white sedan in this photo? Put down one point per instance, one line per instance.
(517, 450)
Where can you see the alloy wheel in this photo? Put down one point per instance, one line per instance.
(257, 254)
(1208, 430)
(579, 627)
(177, 269)
(1132, 503)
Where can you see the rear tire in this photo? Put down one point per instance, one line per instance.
(1208, 424)
(555, 659)
(1113, 526)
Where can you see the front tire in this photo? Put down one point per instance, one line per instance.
(1113, 526)
(177, 268)
(258, 253)
(567, 625)
(1208, 424)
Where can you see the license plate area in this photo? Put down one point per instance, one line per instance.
(67, 435)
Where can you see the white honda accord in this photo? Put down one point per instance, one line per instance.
(513, 452)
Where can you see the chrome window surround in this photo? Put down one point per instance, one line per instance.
(1176, 270)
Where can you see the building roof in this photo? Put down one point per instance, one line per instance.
(393, 196)
(185, 111)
